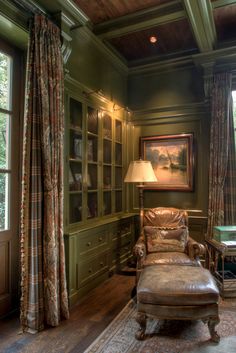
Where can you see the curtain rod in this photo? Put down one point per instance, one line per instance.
(30, 7)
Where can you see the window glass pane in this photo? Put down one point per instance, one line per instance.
(234, 113)
(4, 181)
(4, 81)
(4, 141)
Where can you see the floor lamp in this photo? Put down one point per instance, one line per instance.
(140, 172)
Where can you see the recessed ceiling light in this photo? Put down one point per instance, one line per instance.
(153, 39)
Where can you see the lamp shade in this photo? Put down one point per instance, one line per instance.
(140, 172)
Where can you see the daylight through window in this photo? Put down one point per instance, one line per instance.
(5, 117)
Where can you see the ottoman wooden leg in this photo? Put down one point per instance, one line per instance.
(212, 322)
(141, 319)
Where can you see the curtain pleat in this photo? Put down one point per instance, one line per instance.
(44, 295)
(230, 180)
(220, 168)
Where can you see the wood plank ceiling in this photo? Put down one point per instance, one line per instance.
(181, 27)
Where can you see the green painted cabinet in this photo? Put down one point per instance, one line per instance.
(99, 235)
(96, 252)
(94, 161)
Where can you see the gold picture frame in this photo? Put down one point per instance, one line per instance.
(172, 159)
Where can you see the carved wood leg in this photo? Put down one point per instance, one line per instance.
(212, 322)
(141, 320)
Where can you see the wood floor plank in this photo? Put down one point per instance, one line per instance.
(87, 320)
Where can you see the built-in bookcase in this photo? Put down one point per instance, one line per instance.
(95, 162)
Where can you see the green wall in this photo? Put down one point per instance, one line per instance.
(92, 68)
(165, 88)
(172, 103)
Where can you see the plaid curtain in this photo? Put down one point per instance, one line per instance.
(220, 168)
(230, 180)
(43, 281)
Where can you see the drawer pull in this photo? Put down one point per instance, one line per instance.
(100, 239)
(101, 264)
(89, 243)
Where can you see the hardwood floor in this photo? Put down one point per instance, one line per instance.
(87, 320)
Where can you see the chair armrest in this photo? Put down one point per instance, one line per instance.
(195, 249)
(140, 248)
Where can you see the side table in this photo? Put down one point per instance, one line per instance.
(225, 280)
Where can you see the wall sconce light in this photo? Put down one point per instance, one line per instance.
(120, 108)
(96, 91)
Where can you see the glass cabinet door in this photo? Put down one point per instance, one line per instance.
(107, 164)
(75, 160)
(118, 166)
(95, 175)
(92, 156)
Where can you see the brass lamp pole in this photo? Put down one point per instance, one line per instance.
(140, 172)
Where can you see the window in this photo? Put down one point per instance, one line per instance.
(234, 113)
(10, 146)
(5, 119)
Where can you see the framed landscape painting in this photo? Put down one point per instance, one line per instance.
(172, 160)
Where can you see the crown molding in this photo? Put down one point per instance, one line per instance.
(216, 55)
(186, 111)
(224, 58)
(10, 11)
(73, 10)
(162, 66)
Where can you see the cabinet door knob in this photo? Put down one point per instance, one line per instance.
(89, 243)
(101, 263)
(90, 270)
(100, 239)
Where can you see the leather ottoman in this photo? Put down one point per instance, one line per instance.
(177, 292)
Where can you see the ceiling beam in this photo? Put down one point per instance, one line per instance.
(201, 18)
(221, 3)
(140, 20)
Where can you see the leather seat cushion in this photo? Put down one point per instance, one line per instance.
(169, 258)
(176, 285)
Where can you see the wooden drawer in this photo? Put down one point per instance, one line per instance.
(92, 243)
(119, 258)
(121, 228)
(119, 253)
(121, 240)
(125, 227)
(88, 270)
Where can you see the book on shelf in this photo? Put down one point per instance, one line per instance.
(90, 150)
(77, 147)
(229, 243)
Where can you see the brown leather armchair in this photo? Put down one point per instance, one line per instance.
(165, 240)
(171, 283)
